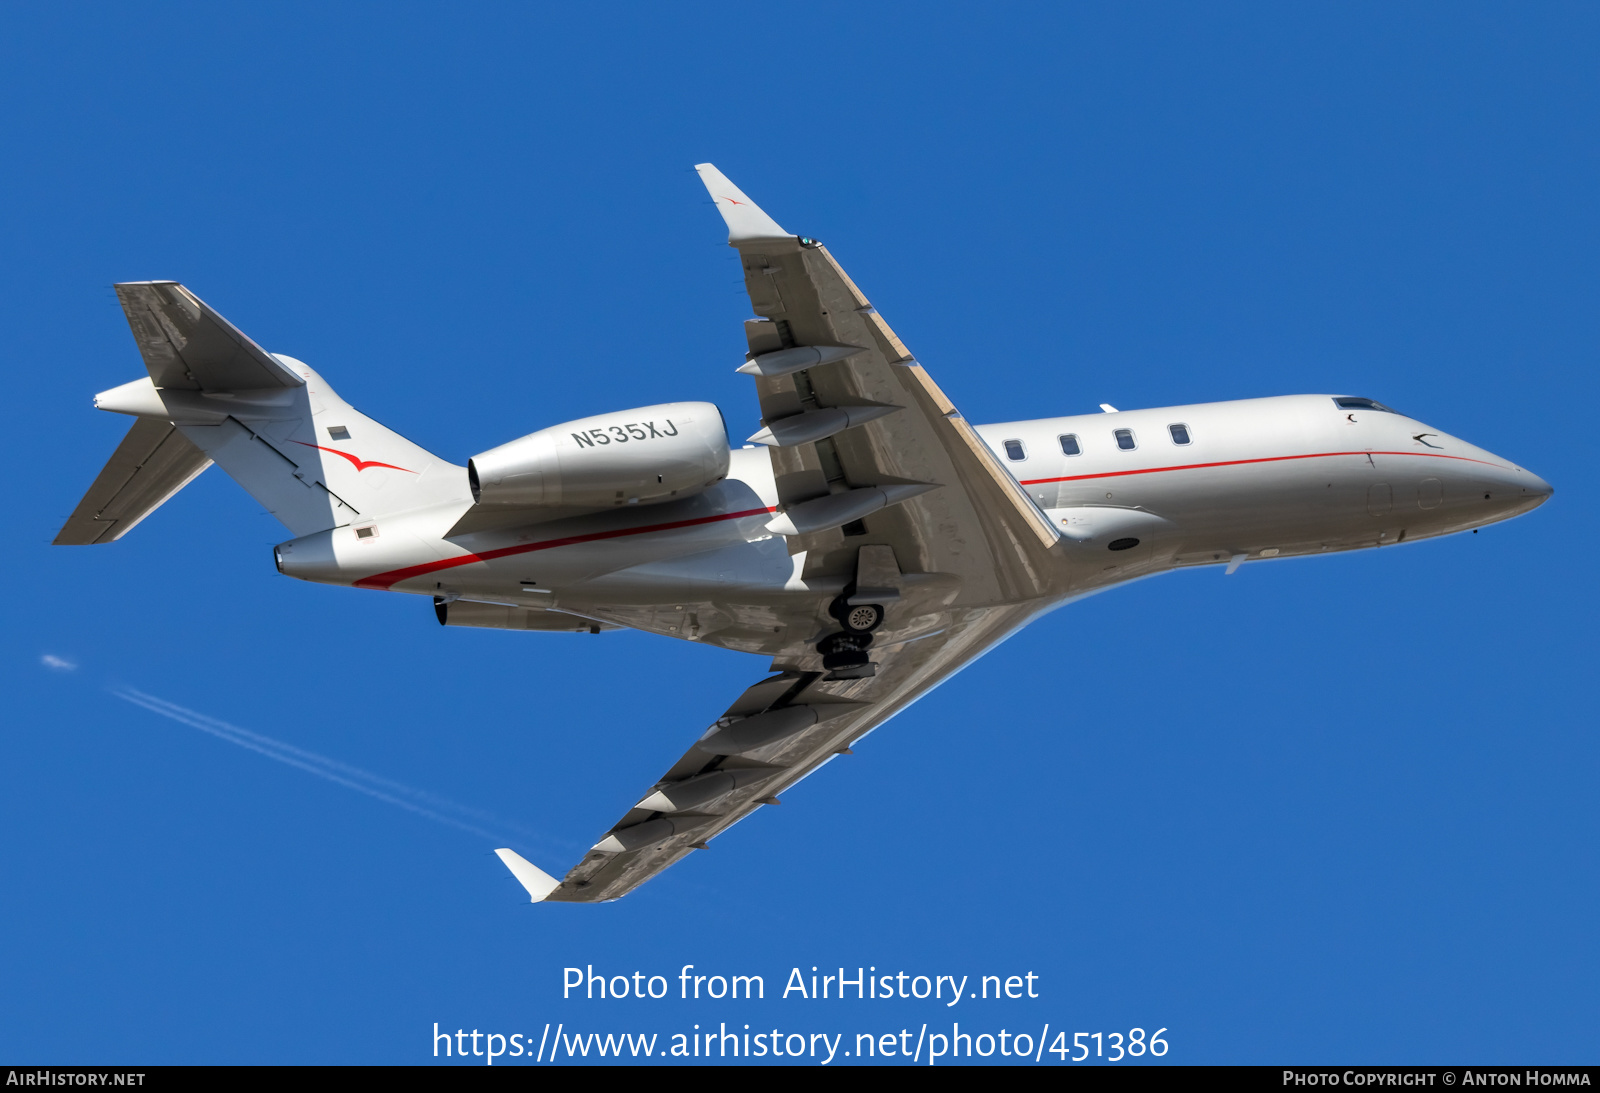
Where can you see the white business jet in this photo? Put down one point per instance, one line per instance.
(869, 540)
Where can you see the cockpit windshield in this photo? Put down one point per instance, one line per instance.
(1362, 404)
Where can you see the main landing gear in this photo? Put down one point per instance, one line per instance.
(844, 654)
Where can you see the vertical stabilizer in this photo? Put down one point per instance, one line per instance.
(320, 463)
(269, 421)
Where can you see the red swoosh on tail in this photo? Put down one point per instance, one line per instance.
(358, 464)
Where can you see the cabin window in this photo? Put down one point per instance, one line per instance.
(1125, 439)
(1180, 433)
(338, 432)
(1014, 450)
(1070, 446)
(1361, 404)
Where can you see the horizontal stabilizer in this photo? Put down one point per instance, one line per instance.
(153, 462)
(538, 883)
(746, 222)
(188, 346)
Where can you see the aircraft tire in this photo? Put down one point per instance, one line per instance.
(861, 618)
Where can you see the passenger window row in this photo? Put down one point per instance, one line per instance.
(1070, 445)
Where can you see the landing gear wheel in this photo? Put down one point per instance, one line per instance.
(861, 618)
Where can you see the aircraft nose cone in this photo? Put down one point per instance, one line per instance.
(1537, 488)
(1528, 491)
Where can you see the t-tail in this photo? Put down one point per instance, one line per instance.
(214, 396)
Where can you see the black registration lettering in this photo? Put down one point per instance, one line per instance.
(652, 427)
(674, 428)
(600, 436)
(636, 432)
(622, 434)
(583, 441)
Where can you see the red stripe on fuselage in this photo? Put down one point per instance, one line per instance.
(1241, 462)
(395, 576)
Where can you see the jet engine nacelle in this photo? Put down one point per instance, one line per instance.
(629, 457)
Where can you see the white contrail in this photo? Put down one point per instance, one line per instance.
(200, 720)
(383, 789)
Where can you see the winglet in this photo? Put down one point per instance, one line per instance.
(538, 883)
(746, 222)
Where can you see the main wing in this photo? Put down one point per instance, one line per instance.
(890, 502)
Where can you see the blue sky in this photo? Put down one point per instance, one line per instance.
(1329, 810)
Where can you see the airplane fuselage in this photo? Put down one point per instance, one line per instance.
(1133, 493)
(1270, 477)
